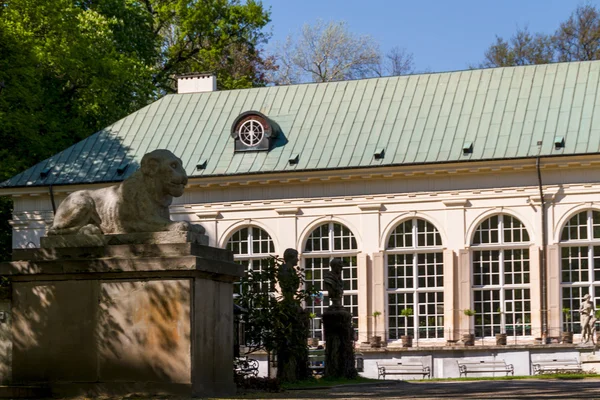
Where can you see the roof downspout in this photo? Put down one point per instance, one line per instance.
(543, 277)
(52, 200)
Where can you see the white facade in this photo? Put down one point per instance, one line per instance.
(454, 198)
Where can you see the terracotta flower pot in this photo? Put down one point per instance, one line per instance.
(375, 341)
(313, 342)
(501, 339)
(567, 337)
(406, 341)
(468, 339)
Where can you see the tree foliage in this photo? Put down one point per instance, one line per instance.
(71, 67)
(267, 315)
(328, 51)
(576, 39)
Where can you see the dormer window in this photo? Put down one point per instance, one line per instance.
(253, 131)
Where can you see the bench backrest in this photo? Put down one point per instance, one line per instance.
(475, 365)
(399, 363)
(316, 355)
(555, 361)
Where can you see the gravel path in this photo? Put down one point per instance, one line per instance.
(510, 389)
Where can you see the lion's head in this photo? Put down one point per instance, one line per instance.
(164, 172)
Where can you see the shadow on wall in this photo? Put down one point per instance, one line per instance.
(90, 331)
(102, 157)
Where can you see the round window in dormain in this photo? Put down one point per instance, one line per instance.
(251, 132)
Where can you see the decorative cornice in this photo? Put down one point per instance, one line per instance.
(370, 207)
(209, 214)
(456, 202)
(288, 211)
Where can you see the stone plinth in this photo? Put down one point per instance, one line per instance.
(115, 319)
(339, 336)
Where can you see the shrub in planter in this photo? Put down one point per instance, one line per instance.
(375, 340)
(567, 336)
(406, 339)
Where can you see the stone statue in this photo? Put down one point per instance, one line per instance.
(287, 276)
(337, 327)
(138, 204)
(587, 319)
(333, 282)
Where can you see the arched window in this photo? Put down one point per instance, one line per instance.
(415, 281)
(580, 264)
(501, 294)
(251, 247)
(328, 241)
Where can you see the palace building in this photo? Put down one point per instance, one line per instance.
(461, 202)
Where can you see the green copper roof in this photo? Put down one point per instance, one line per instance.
(499, 113)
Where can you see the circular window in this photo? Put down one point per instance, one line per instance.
(251, 132)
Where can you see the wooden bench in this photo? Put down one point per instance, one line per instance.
(554, 366)
(316, 361)
(245, 366)
(475, 367)
(399, 367)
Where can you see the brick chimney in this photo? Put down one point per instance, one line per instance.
(196, 83)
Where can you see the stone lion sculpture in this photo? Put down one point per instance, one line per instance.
(138, 204)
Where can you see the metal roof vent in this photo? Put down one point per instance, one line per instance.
(122, 168)
(379, 154)
(202, 164)
(559, 142)
(294, 159)
(468, 148)
(45, 172)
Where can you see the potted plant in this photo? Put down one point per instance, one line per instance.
(375, 339)
(468, 338)
(501, 337)
(567, 336)
(406, 339)
(313, 341)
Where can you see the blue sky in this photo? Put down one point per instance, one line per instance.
(443, 35)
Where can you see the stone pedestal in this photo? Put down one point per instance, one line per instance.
(124, 318)
(339, 349)
(292, 354)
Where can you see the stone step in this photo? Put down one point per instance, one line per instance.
(122, 251)
(24, 392)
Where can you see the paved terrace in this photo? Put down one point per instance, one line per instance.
(493, 389)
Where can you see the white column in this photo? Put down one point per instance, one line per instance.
(554, 295)
(378, 295)
(535, 291)
(364, 293)
(465, 292)
(451, 290)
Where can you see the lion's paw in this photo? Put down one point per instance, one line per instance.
(90, 229)
(180, 226)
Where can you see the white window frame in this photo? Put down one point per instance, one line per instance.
(412, 326)
(349, 274)
(253, 259)
(522, 328)
(581, 287)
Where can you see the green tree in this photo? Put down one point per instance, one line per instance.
(274, 323)
(72, 67)
(523, 48)
(576, 39)
(329, 51)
